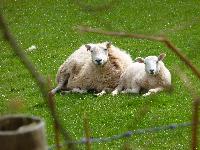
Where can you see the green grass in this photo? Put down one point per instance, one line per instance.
(48, 25)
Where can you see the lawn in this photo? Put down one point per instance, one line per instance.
(49, 25)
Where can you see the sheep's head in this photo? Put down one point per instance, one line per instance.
(99, 52)
(152, 63)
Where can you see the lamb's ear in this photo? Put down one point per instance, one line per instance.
(161, 56)
(139, 59)
(88, 47)
(108, 44)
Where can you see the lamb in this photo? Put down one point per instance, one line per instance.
(149, 73)
(95, 67)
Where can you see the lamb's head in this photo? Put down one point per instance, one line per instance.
(152, 63)
(99, 52)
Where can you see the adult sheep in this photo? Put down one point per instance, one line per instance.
(149, 73)
(92, 67)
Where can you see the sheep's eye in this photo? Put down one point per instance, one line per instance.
(105, 49)
(156, 61)
(91, 51)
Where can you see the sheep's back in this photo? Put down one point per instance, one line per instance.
(122, 57)
(73, 63)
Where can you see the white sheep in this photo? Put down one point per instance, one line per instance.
(149, 73)
(93, 67)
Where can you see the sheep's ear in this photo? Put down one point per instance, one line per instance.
(88, 47)
(108, 44)
(139, 59)
(161, 56)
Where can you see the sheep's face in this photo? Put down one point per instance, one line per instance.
(99, 52)
(152, 66)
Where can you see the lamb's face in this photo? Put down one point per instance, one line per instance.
(99, 53)
(152, 66)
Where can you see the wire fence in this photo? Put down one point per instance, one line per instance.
(125, 134)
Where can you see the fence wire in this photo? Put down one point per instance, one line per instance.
(126, 134)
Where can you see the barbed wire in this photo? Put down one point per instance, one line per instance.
(126, 134)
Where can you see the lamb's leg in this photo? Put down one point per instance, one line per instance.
(152, 91)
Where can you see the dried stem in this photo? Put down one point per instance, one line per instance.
(187, 82)
(195, 123)
(196, 104)
(87, 131)
(51, 105)
(41, 81)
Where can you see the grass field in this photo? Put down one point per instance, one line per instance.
(49, 25)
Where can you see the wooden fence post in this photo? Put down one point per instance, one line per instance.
(19, 132)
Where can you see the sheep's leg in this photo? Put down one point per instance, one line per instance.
(58, 88)
(63, 82)
(152, 91)
(104, 91)
(117, 90)
(135, 90)
(101, 93)
(77, 90)
(74, 90)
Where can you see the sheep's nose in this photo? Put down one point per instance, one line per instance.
(152, 71)
(98, 61)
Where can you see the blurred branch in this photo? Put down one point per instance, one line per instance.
(161, 39)
(41, 81)
(187, 82)
(139, 115)
(195, 108)
(181, 26)
(87, 131)
(120, 34)
(195, 123)
(24, 59)
(51, 105)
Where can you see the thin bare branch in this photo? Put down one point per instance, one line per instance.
(181, 26)
(195, 107)
(41, 81)
(87, 131)
(51, 105)
(161, 39)
(187, 82)
(195, 123)
(120, 34)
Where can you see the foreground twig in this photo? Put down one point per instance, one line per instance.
(195, 108)
(187, 82)
(161, 39)
(87, 131)
(195, 123)
(41, 81)
(51, 105)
